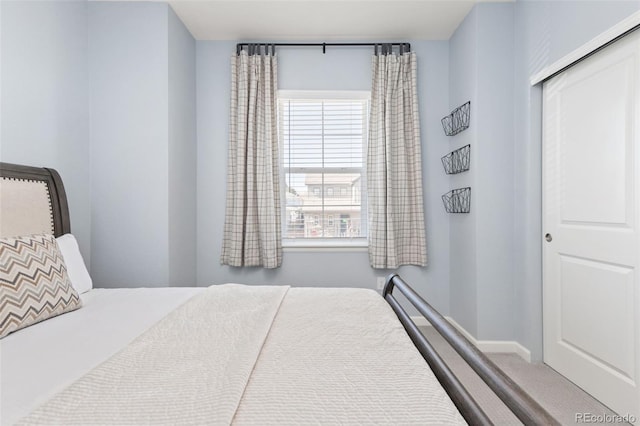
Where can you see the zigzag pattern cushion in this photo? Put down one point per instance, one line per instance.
(34, 284)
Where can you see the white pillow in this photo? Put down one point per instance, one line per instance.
(77, 271)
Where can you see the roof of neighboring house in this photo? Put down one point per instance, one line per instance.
(331, 178)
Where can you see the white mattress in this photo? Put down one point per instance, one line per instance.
(39, 361)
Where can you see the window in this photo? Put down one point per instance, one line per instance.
(323, 140)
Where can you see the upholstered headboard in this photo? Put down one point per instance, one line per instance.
(32, 201)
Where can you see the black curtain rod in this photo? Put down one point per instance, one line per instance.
(406, 47)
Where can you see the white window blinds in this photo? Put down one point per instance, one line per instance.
(324, 144)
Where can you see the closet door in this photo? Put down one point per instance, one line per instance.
(591, 177)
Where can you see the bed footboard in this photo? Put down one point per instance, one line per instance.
(514, 397)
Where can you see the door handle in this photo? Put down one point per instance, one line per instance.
(548, 237)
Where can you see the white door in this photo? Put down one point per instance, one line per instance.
(591, 181)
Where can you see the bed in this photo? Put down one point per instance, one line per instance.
(228, 354)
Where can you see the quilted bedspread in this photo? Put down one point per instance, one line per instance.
(262, 355)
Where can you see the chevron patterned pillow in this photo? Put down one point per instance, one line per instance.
(34, 284)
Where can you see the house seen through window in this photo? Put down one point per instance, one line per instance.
(323, 139)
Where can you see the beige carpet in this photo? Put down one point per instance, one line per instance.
(555, 393)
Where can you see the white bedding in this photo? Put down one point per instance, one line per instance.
(310, 356)
(340, 356)
(39, 361)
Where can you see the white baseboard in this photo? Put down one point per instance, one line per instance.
(496, 346)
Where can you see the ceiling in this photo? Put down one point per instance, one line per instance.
(322, 20)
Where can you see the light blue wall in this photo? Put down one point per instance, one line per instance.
(339, 69)
(142, 79)
(44, 102)
(545, 32)
(463, 87)
(182, 153)
(128, 60)
(105, 93)
(494, 171)
(481, 64)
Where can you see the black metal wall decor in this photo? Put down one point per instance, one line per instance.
(457, 200)
(458, 120)
(457, 161)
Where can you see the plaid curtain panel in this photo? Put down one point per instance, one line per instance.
(394, 171)
(252, 232)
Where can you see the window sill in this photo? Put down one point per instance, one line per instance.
(358, 245)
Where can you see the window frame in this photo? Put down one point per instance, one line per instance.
(332, 243)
